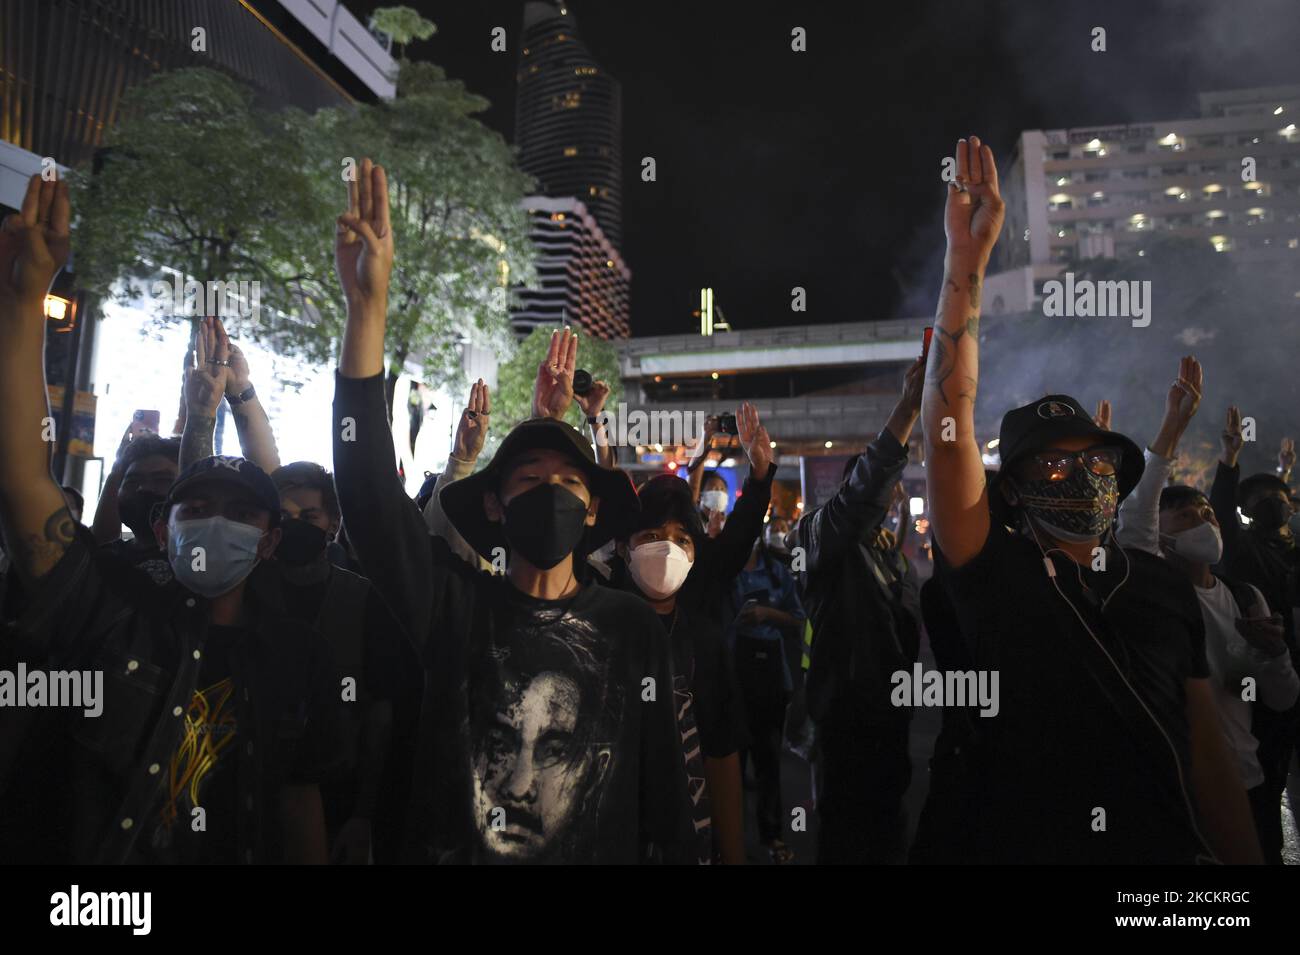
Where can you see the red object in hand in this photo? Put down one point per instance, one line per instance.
(925, 342)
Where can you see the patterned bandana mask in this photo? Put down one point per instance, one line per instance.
(1078, 508)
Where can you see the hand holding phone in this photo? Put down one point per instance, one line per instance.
(144, 420)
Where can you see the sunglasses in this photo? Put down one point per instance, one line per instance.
(1053, 465)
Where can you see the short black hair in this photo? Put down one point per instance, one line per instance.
(310, 475)
(1179, 495)
(149, 446)
(714, 476)
(667, 498)
(1258, 484)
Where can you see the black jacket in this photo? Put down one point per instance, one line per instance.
(861, 633)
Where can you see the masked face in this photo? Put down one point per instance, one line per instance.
(1201, 544)
(659, 568)
(1270, 513)
(212, 555)
(714, 500)
(1080, 507)
(301, 543)
(545, 524)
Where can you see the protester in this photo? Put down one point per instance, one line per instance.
(1265, 556)
(1244, 644)
(1105, 746)
(367, 646)
(214, 726)
(137, 485)
(714, 499)
(547, 732)
(667, 558)
(862, 605)
(763, 634)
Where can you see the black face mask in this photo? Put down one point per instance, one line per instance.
(1080, 507)
(301, 542)
(1270, 514)
(544, 524)
(136, 512)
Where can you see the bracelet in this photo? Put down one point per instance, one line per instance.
(248, 394)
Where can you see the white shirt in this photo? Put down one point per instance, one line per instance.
(1231, 658)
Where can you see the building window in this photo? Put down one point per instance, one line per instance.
(570, 150)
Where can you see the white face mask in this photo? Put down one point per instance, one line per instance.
(714, 500)
(1202, 544)
(659, 568)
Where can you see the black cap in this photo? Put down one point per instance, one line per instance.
(228, 470)
(462, 501)
(1040, 423)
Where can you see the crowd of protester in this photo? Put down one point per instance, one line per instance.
(538, 661)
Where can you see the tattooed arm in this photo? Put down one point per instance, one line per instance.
(34, 244)
(954, 470)
(204, 389)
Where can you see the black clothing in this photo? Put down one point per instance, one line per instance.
(1070, 736)
(861, 605)
(75, 789)
(547, 729)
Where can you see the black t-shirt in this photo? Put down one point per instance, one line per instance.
(150, 561)
(204, 765)
(1071, 737)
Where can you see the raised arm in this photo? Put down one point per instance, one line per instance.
(204, 388)
(954, 470)
(593, 406)
(107, 525)
(383, 524)
(729, 551)
(465, 449)
(34, 245)
(553, 388)
(1223, 492)
(1139, 515)
(863, 499)
(256, 439)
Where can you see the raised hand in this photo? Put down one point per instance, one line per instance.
(593, 402)
(1230, 440)
(1185, 393)
(1102, 416)
(553, 390)
(974, 212)
(474, 420)
(1286, 457)
(754, 439)
(206, 384)
(35, 243)
(239, 380)
(908, 408)
(363, 248)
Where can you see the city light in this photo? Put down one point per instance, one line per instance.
(916, 506)
(56, 308)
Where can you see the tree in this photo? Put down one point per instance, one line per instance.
(458, 217)
(402, 24)
(513, 400)
(195, 178)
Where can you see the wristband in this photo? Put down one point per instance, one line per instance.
(248, 394)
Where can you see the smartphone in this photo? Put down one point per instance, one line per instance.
(727, 424)
(144, 420)
(925, 342)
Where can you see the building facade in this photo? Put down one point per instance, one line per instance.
(1229, 177)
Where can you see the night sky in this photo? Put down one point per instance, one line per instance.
(821, 169)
